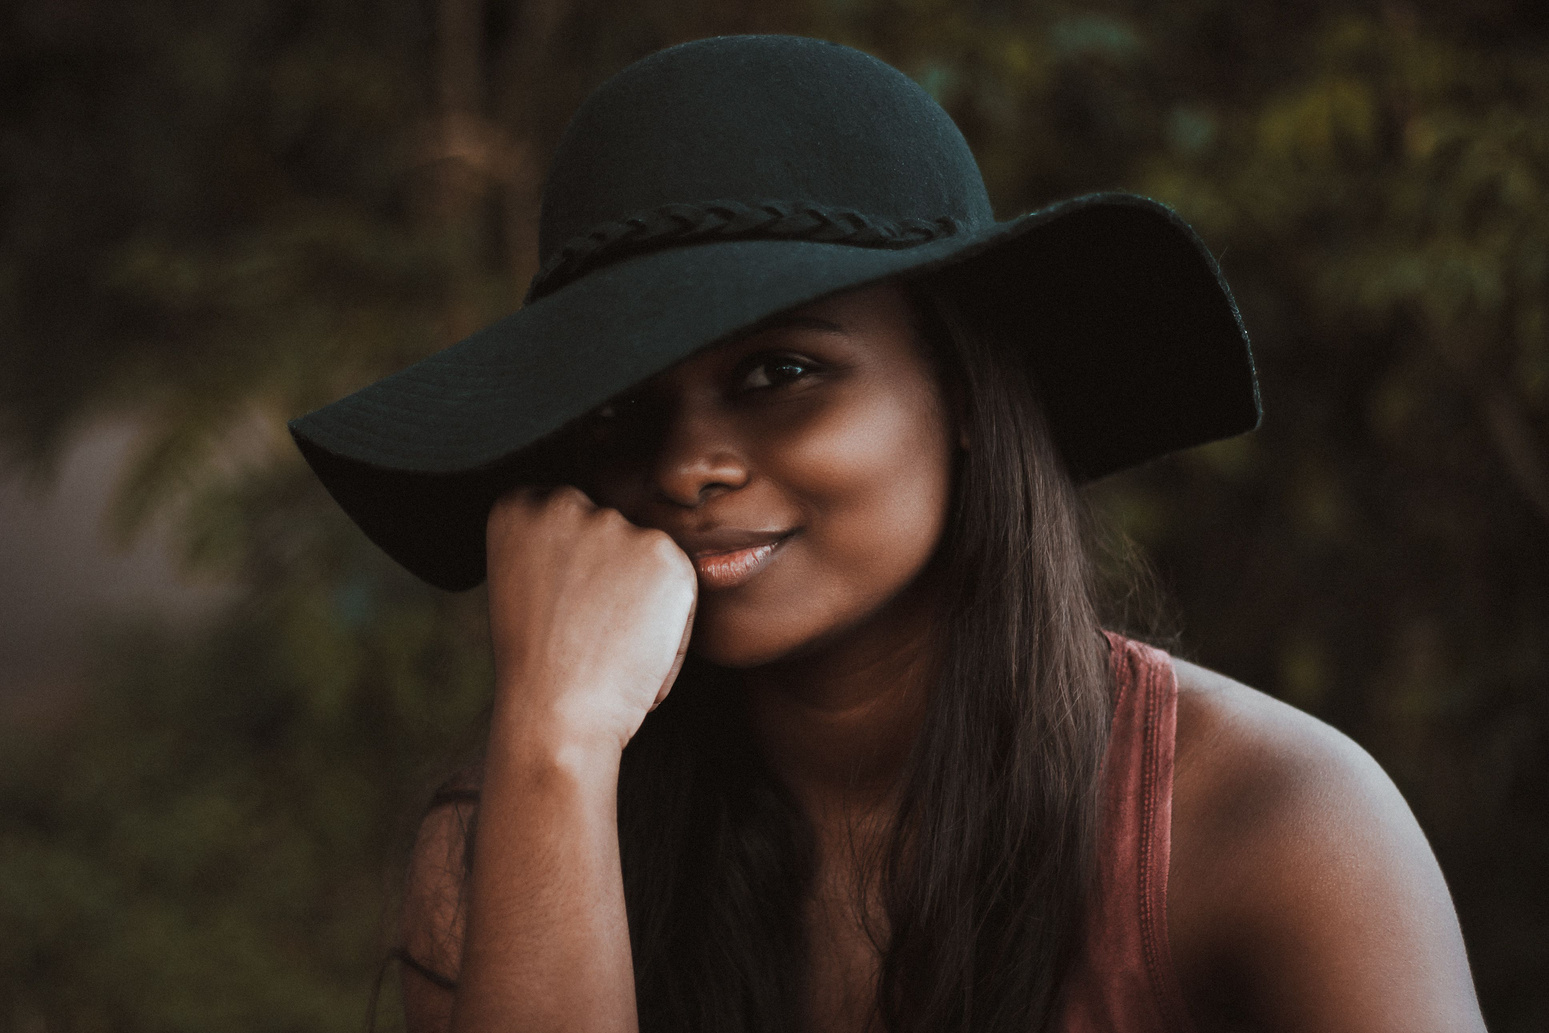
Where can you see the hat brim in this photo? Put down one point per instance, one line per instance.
(1135, 341)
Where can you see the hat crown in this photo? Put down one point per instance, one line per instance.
(712, 185)
(758, 119)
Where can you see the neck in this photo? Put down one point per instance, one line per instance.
(838, 722)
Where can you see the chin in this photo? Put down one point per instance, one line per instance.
(743, 637)
(737, 649)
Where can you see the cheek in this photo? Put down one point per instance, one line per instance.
(880, 502)
(872, 482)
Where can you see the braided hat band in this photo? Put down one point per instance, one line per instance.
(673, 224)
(714, 184)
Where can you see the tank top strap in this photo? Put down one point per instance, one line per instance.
(1123, 978)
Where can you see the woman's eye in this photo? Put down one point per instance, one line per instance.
(607, 417)
(772, 372)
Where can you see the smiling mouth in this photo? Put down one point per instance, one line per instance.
(736, 566)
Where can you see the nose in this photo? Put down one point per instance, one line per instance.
(698, 457)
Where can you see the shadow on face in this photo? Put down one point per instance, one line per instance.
(805, 467)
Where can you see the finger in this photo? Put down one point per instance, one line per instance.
(567, 492)
(512, 506)
(525, 492)
(677, 661)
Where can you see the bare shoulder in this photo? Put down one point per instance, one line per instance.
(1246, 756)
(1302, 893)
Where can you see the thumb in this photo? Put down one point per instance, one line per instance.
(677, 661)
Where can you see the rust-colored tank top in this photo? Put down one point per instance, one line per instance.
(1123, 981)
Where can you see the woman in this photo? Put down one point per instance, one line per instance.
(785, 444)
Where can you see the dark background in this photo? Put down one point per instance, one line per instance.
(215, 215)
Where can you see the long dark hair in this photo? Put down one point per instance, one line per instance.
(985, 873)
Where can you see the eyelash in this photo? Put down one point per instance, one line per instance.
(769, 363)
(611, 414)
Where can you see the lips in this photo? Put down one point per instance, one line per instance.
(729, 559)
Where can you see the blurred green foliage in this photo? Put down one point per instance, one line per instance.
(222, 214)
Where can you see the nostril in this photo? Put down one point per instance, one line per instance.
(694, 481)
(696, 458)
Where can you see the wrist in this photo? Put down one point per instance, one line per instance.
(547, 743)
(583, 709)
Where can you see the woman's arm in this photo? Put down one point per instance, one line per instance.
(589, 618)
(1302, 894)
(547, 945)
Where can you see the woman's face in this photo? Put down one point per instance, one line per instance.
(805, 468)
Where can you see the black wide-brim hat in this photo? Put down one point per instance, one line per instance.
(714, 184)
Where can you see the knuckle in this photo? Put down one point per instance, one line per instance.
(613, 524)
(612, 517)
(518, 499)
(656, 542)
(666, 551)
(506, 511)
(569, 498)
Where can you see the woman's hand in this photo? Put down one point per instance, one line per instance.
(589, 617)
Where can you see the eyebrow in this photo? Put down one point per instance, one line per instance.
(797, 321)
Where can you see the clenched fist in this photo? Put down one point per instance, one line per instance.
(589, 615)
